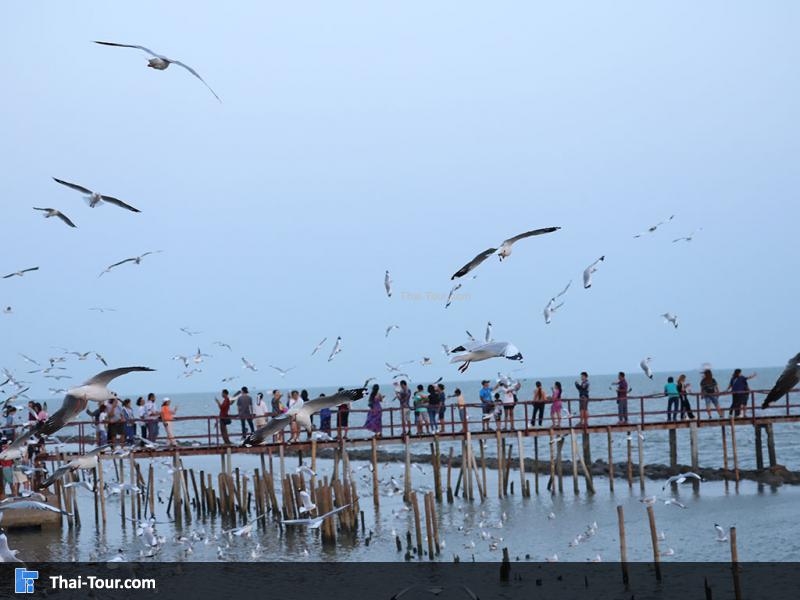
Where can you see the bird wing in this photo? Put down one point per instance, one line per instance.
(122, 262)
(317, 404)
(57, 474)
(105, 377)
(65, 218)
(531, 233)
(29, 270)
(150, 52)
(196, 74)
(474, 263)
(787, 380)
(120, 203)
(260, 435)
(74, 186)
(564, 291)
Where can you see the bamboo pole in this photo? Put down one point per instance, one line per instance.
(623, 548)
(437, 469)
(470, 472)
(99, 489)
(654, 541)
(313, 482)
(560, 464)
(428, 501)
(375, 493)
(481, 489)
(134, 484)
(610, 461)
(629, 470)
(552, 485)
(417, 526)
(483, 468)
(521, 451)
(640, 440)
(449, 476)
(500, 465)
(407, 477)
(574, 457)
(737, 584)
(535, 468)
(735, 453)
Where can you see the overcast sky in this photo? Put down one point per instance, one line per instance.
(355, 137)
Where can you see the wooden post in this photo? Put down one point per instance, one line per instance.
(629, 471)
(134, 486)
(96, 502)
(773, 459)
(507, 470)
(586, 475)
(623, 548)
(725, 453)
(313, 483)
(535, 468)
(100, 490)
(485, 492)
(500, 465)
(759, 448)
(552, 485)
(587, 448)
(417, 526)
(428, 501)
(481, 489)
(521, 451)
(376, 498)
(693, 445)
(560, 464)
(437, 472)
(435, 527)
(737, 585)
(673, 448)
(733, 445)
(654, 540)
(641, 459)
(610, 461)
(574, 456)
(449, 476)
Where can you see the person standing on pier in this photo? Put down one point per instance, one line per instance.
(343, 418)
(374, 416)
(487, 406)
(462, 408)
(583, 398)
(167, 415)
(224, 419)
(741, 391)
(99, 417)
(244, 410)
(539, 401)
(325, 419)
(683, 391)
(403, 396)
(260, 411)
(9, 432)
(420, 409)
(116, 422)
(433, 408)
(622, 398)
(442, 404)
(151, 416)
(295, 403)
(557, 404)
(141, 413)
(673, 399)
(277, 406)
(710, 390)
(129, 420)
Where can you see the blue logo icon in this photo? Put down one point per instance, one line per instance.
(23, 581)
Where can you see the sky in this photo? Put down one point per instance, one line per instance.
(355, 137)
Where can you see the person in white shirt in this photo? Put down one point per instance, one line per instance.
(260, 411)
(509, 400)
(294, 404)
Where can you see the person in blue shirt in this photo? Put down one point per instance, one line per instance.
(487, 404)
(673, 399)
(740, 392)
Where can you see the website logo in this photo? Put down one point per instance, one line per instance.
(23, 580)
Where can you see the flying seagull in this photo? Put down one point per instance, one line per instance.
(189, 332)
(85, 461)
(389, 329)
(476, 352)
(387, 283)
(474, 263)
(337, 347)
(246, 364)
(20, 273)
(645, 366)
(29, 359)
(282, 372)
(687, 238)
(137, 260)
(721, 535)
(504, 250)
(670, 318)
(160, 62)
(224, 345)
(316, 522)
(453, 290)
(94, 199)
(318, 346)
(488, 336)
(550, 309)
(52, 212)
(102, 309)
(6, 554)
(198, 358)
(652, 228)
(587, 273)
(681, 477)
(786, 381)
(75, 402)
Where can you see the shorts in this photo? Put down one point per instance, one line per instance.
(583, 403)
(116, 428)
(8, 475)
(711, 400)
(343, 418)
(19, 477)
(508, 407)
(488, 409)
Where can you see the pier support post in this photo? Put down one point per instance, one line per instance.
(623, 548)
(759, 448)
(574, 460)
(640, 439)
(693, 445)
(673, 449)
(374, 456)
(407, 477)
(629, 471)
(521, 451)
(587, 448)
(735, 453)
(773, 459)
(654, 540)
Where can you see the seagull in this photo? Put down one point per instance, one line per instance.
(396, 369)
(20, 273)
(445, 349)
(248, 365)
(426, 361)
(471, 337)
(550, 309)
(7, 310)
(505, 247)
(224, 345)
(81, 355)
(29, 359)
(337, 347)
(474, 263)
(674, 502)
(159, 62)
(305, 470)
(453, 290)
(75, 402)
(678, 479)
(553, 558)
(648, 500)
(688, 238)
(476, 352)
(137, 260)
(282, 372)
(198, 358)
(31, 505)
(183, 359)
(189, 332)
(587, 273)
(668, 552)
(390, 328)
(387, 283)
(100, 359)
(786, 381)
(227, 379)
(302, 415)
(6, 554)
(670, 318)
(652, 228)
(245, 530)
(316, 521)
(318, 346)
(94, 199)
(645, 366)
(721, 535)
(101, 309)
(488, 337)
(307, 506)
(52, 212)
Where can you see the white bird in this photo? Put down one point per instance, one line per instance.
(687, 238)
(198, 358)
(661, 536)
(645, 366)
(31, 505)
(390, 328)
(589, 271)
(721, 535)
(183, 359)
(102, 309)
(85, 461)
(387, 283)
(224, 345)
(550, 309)
(553, 558)
(281, 371)
(7, 310)
(20, 273)
(551, 516)
(307, 506)
(136, 260)
(396, 368)
(6, 554)
(244, 530)
(504, 250)
(318, 346)
(246, 364)
(337, 347)
(159, 62)
(674, 502)
(445, 349)
(304, 470)
(52, 212)
(668, 552)
(478, 352)
(94, 199)
(29, 359)
(426, 361)
(189, 332)
(232, 378)
(100, 359)
(453, 290)
(316, 522)
(670, 318)
(652, 228)
(678, 479)
(488, 337)
(648, 500)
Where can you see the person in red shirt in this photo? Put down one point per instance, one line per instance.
(224, 420)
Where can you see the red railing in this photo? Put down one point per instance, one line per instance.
(394, 424)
